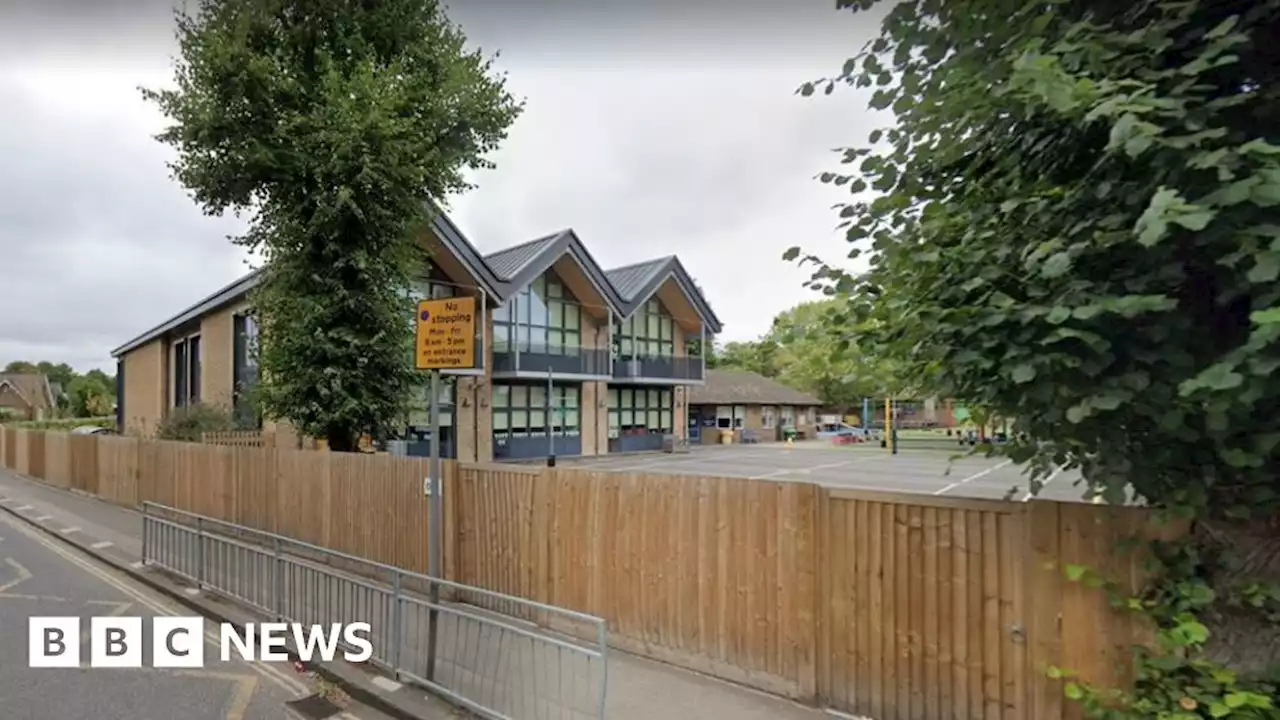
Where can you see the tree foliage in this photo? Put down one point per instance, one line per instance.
(83, 396)
(1074, 225)
(808, 348)
(338, 125)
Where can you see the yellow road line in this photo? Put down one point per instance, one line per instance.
(283, 681)
(245, 686)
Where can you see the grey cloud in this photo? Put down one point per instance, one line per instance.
(652, 128)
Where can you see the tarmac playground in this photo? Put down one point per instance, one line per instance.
(863, 466)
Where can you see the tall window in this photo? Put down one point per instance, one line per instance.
(649, 333)
(522, 410)
(544, 317)
(244, 371)
(640, 411)
(186, 371)
(434, 285)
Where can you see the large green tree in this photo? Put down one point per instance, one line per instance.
(337, 125)
(1072, 221)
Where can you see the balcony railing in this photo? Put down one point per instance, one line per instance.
(535, 358)
(675, 367)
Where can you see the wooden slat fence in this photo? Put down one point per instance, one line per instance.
(893, 606)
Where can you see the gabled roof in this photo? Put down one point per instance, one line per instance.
(637, 283)
(739, 387)
(519, 265)
(33, 388)
(448, 233)
(506, 264)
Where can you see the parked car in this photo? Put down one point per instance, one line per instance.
(92, 430)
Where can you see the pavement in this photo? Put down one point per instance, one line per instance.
(42, 576)
(638, 688)
(863, 466)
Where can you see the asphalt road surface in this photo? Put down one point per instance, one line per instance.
(41, 577)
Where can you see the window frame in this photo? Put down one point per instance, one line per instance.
(185, 370)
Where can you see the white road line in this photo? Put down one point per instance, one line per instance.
(1047, 480)
(42, 518)
(385, 683)
(68, 531)
(279, 678)
(24, 508)
(974, 476)
(103, 544)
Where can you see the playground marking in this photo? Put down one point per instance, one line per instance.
(1047, 480)
(974, 476)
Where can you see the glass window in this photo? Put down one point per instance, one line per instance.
(739, 415)
(521, 410)
(640, 411)
(543, 309)
(650, 333)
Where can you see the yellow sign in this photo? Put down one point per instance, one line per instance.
(447, 333)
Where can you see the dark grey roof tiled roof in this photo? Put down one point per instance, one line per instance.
(631, 279)
(739, 387)
(506, 264)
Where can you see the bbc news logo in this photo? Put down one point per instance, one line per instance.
(179, 642)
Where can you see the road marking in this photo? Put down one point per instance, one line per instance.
(974, 476)
(68, 531)
(245, 685)
(386, 683)
(6, 500)
(23, 575)
(24, 508)
(283, 681)
(42, 518)
(117, 609)
(103, 544)
(1047, 480)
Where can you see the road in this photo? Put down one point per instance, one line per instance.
(41, 577)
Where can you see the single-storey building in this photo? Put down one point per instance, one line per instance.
(26, 396)
(570, 356)
(754, 406)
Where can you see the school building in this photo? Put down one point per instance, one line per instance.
(739, 406)
(569, 356)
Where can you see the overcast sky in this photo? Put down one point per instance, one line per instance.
(650, 129)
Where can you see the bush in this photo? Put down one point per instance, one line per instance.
(191, 422)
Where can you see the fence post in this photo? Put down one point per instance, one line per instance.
(200, 553)
(277, 581)
(146, 535)
(396, 622)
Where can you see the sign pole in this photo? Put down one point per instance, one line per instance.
(445, 338)
(435, 523)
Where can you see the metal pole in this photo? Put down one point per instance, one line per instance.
(866, 413)
(551, 438)
(146, 535)
(435, 524)
(894, 405)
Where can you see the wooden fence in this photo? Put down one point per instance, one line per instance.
(898, 607)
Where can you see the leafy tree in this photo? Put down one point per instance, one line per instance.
(1075, 227)
(337, 124)
(816, 354)
(21, 366)
(91, 394)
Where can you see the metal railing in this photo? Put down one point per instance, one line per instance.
(500, 656)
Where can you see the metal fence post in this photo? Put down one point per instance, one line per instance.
(277, 581)
(146, 535)
(396, 620)
(200, 552)
(602, 638)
